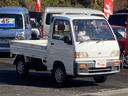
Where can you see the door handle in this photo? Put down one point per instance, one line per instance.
(52, 43)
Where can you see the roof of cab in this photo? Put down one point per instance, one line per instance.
(14, 10)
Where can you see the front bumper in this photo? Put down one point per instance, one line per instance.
(91, 68)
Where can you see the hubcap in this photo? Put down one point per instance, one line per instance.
(59, 75)
(20, 67)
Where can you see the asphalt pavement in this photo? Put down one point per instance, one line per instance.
(41, 84)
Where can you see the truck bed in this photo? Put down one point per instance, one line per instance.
(31, 48)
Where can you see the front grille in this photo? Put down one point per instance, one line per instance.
(96, 70)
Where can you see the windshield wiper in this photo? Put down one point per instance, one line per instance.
(93, 39)
(97, 40)
(84, 41)
(110, 39)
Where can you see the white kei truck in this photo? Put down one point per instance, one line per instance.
(77, 45)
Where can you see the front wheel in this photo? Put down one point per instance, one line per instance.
(59, 75)
(21, 68)
(100, 79)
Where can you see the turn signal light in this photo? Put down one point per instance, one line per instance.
(83, 65)
(116, 63)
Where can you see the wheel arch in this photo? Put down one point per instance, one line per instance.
(58, 63)
(17, 58)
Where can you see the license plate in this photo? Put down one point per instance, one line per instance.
(100, 63)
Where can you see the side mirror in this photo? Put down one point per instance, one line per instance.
(67, 40)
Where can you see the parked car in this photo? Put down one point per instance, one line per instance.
(120, 35)
(14, 24)
(120, 18)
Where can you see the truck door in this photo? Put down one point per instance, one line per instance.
(61, 44)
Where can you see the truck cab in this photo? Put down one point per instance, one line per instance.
(85, 45)
(14, 24)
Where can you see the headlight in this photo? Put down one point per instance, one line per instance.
(81, 55)
(115, 53)
(19, 36)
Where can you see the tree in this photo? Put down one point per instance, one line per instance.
(50, 3)
(9, 3)
(96, 4)
(85, 3)
(22, 3)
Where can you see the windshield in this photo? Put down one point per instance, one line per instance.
(11, 21)
(92, 30)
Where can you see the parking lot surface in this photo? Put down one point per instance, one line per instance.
(41, 84)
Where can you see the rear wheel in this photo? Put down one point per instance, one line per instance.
(100, 79)
(21, 67)
(59, 75)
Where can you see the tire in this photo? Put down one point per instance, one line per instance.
(21, 68)
(121, 60)
(124, 60)
(100, 79)
(59, 75)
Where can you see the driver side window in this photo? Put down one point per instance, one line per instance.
(61, 29)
